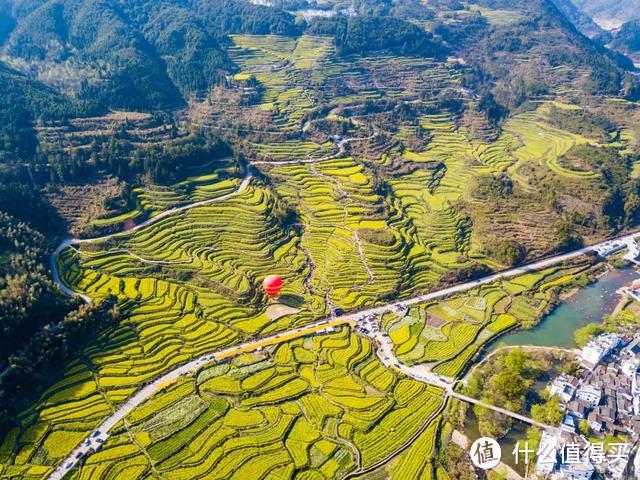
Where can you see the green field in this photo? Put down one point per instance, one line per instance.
(353, 206)
(312, 408)
(448, 334)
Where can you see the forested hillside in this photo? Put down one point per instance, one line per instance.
(160, 158)
(150, 55)
(41, 328)
(133, 55)
(581, 20)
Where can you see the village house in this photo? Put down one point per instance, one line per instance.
(575, 471)
(564, 387)
(589, 394)
(598, 348)
(606, 393)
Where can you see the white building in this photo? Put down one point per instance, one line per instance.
(607, 248)
(564, 387)
(633, 251)
(630, 366)
(635, 392)
(547, 455)
(575, 471)
(589, 394)
(616, 470)
(598, 348)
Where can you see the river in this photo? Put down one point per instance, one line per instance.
(557, 329)
(587, 305)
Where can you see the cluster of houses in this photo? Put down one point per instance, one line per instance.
(605, 394)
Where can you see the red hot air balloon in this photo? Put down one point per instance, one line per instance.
(272, 285)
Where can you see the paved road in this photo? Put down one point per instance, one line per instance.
(423, 373)
(95, 439)
(508, 413)
(386, 349)
(512, 272)
(172, 211)
(341, 151)
(167, 213)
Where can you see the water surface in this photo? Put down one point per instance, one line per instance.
(588, 305)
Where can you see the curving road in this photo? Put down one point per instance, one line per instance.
(341, 143)
(384, 351)
(424, 374)
(385, 348)
(96, 438)
(172, 211)
(167, 213)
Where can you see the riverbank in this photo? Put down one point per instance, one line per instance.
(555, 333)
(588, 305)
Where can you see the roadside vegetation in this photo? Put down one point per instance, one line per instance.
(507, 380)
(386, 154)
(450, 333)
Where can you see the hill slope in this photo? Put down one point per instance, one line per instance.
(134, 55)
(609, 14)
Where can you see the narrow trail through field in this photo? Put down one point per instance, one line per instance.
(341, 151)
(380, 463)
(384, 350)
(172, 211)
(70, 242)
(424, 374)
(345, 221)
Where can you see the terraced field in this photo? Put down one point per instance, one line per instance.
(349, 221)
(158, 198)
(448, 334)
(356, 255)
(439, 227)
(313, 408)
(544, 144)
(286, 68)
(201, 252)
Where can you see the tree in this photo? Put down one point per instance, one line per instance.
(509, 252)
(515, 360)
(632, 209)
(570, 368)
(586, 333)
(631, 88)
(568, 239)
(509, 389)
(548, 412)
(584, 426)
(613, 207)
(491, 108)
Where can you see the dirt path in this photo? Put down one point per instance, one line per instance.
(388, 357)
